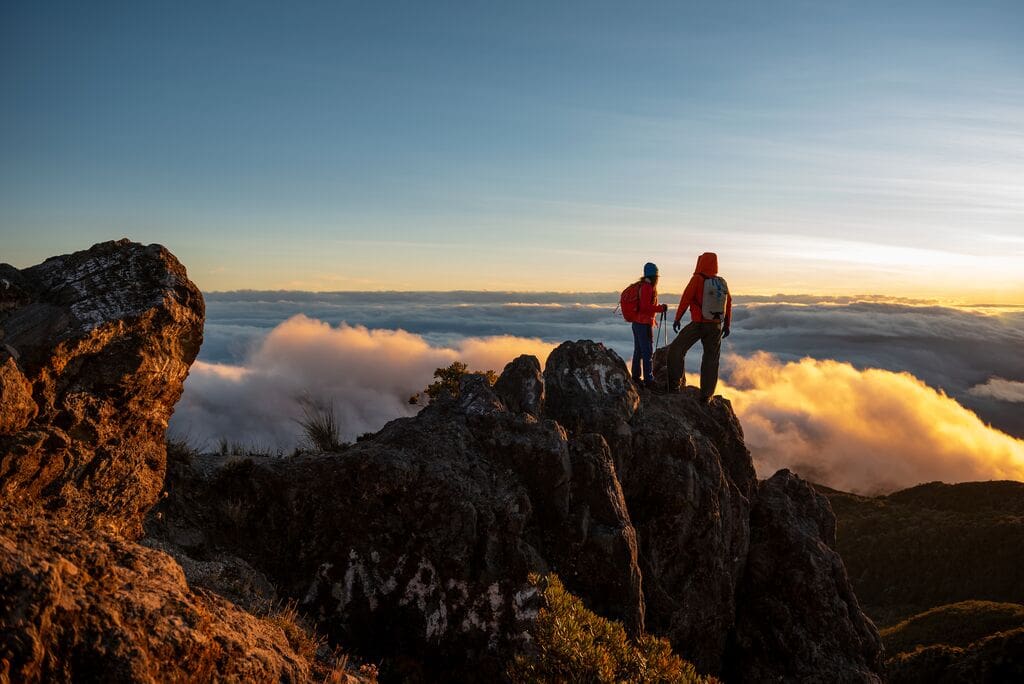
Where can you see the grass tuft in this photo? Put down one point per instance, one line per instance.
(320, 425)
(180, 448)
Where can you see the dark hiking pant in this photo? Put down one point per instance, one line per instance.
(643, 351)
(710, 336)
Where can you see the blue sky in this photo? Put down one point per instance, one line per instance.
(842, 147)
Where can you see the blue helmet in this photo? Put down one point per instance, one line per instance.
(650, 270)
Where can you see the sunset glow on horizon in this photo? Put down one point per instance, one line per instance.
(845, 149)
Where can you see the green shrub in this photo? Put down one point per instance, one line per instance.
(572, 644)
(447, 381)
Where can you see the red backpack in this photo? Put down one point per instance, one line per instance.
(629, 301)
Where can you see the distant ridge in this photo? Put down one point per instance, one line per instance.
(932, 545)
(938, 567)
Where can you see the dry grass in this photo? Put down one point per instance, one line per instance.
(255, 450)
(320, 424)
(327, 665)
(181, 448)
(304, 640)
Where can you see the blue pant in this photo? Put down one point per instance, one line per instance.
(643, 350)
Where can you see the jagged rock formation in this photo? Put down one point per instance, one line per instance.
(797, 611)
(94, 347)
(417, 542)
(88, 606)
(414, 545)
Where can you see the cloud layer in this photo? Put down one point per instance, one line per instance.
(865, 431)
(858, 429)
(367, 375)
(952, 349)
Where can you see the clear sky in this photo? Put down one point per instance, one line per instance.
(828, 147)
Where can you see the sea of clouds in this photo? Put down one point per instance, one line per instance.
(865, 394)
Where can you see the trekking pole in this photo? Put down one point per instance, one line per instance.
(659, 327)
(668, 387)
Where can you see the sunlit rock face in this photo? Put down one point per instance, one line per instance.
(94, 348)
(414, 545)
(89, 606)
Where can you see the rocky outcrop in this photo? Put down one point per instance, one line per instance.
(94, 347)
(798, 616)
(414, 545)
(89, 606)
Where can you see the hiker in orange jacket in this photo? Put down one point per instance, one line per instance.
(643, 325)
(707, 296)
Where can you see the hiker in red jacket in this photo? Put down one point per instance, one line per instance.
(707, 296)
(647, 309)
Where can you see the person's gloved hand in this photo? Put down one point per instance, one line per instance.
(725, 332)
(675, 326)
(663, 308)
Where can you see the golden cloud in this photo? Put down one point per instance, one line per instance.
(865, 431)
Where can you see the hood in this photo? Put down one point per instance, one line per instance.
(707, 263)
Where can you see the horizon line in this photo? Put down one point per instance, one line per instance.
(865, 297)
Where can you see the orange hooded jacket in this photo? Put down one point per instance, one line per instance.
(693, 295)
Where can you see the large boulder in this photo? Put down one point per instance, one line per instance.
(87, 606)
(588, 389)
(95, 346)
(521, 386)
(798, 615)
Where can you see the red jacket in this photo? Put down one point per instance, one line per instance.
(693, 295)
(649, 308)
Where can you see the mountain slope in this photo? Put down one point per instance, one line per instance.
(932, 545)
